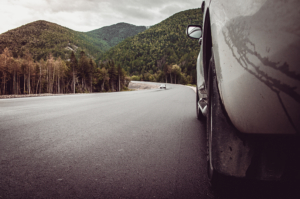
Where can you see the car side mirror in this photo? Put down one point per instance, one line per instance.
(194, 31)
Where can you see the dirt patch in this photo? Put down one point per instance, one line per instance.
(141, 86)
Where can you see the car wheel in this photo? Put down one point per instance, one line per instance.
(217, 180)
(229, 153)
(212, 175)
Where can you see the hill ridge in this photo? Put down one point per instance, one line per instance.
(163, 44)
(42, 37)
(116, 33)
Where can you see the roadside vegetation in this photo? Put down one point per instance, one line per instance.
(54, 75)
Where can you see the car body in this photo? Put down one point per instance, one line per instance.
(162, 86)
(250, 56)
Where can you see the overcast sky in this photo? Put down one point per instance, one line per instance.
(86, 15)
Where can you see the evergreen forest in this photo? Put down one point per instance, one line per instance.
(161, 53)
(116, 33)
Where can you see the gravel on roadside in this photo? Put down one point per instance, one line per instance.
(141, 86)
(37, 95)
(132, 86)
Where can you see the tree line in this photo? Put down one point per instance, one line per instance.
(170, 73)
(54, 75)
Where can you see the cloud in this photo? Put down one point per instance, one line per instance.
(85, 15)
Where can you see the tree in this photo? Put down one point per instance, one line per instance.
(161, 63)
(176, 70)
(40, 71)
(91, 71)
(30, 64)
(105, 77)
(74, 64)
(167, 70)
(5, 61)
(60, 70)
(112, 71)
(84, 71)
(119, 77)
(16, 67)
(50, 73)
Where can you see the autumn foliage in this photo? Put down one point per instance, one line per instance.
(54, 75)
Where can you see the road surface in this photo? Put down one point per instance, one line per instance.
(137, 144)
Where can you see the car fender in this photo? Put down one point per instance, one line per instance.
(257, 73)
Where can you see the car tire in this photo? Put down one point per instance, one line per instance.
(212, 174)
(229, 153)
(217, 180)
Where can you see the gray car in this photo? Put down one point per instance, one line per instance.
(248, 87)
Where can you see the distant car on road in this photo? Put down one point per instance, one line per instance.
(162, 86)
(248, 87)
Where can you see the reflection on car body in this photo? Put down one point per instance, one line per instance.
(248, 87)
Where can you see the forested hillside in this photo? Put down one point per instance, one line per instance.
(43, 57)
(41, 38)
(161, 51)
(116, 33)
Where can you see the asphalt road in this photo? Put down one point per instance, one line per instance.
(137, 144)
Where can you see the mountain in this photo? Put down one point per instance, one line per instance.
(160, 45)
(41, 38)
(116, 33)
(145, 54)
